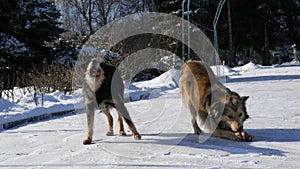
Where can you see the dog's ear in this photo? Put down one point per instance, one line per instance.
(245, 98)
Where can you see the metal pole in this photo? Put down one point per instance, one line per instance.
(182, 37)
(189, 32)
(216, 19)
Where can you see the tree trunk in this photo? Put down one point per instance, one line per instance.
(266, 57)
(231, 58)
(90, 22)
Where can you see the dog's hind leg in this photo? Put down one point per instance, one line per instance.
(90, 113)
(110, 131)
(124, 112)
(186, 94)
(197, 130)
(121, 126)
(193, 113)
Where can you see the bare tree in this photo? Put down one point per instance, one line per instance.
(82, 18)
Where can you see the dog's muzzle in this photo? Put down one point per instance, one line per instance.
(95, 73)
(95, 70)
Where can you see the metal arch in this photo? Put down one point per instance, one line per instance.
(215, 23)
(188, 31)
(182, 30)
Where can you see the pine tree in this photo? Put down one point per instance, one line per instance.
(27, 26)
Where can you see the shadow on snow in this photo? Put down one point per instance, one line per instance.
(192, 141)
(262, 78)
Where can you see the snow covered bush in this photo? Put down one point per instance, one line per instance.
(12, 47)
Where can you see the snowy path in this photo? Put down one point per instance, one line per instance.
(274, 107)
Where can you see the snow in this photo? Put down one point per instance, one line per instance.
(169, 79)
(12, 45)
(164, 123)
(153, 88)
(26, 107)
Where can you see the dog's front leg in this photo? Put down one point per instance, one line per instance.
(90, 113)
(226, 134)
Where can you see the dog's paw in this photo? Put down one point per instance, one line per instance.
(248, 137)
(109, 133)
(238, 137)
(198, 132)
(87, 141)
(243, 136)
(122, 133)
(137, 137)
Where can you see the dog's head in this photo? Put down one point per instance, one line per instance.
(94, 74)
(94, 69)
(233, 109)
(235, 112)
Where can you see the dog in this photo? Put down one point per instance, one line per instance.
(216, 105)
(103, 88)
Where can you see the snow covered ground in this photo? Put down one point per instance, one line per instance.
(274, 108)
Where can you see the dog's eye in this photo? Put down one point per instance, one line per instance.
(240, 114)
(230, 116)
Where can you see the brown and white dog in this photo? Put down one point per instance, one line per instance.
(103, 88)
(216, 105)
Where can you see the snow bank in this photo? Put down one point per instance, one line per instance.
(247, 67)
(26, 110)
(168, 79)
(153, 88)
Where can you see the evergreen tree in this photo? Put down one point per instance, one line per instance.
(27, 27)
